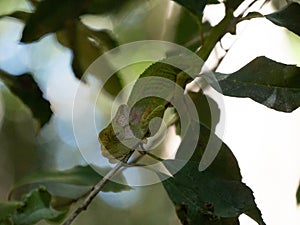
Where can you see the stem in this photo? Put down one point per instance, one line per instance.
(96, 189)
(216, 33)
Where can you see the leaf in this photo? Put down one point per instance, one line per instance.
(8, 208)
(227, 198)
(194, 6)
(214, 196)
(298, 195)
(50, 16)
(206, 108)
(106, 6)
(20, 15)
(29, 92)
(5, 222)
(232, 4)
(36, 207)
(87, 45)
(288, 17)
(53, 15)
(270, 83)
(78, 175)
(187, 31)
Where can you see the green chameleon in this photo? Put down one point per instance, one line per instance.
(130, 127)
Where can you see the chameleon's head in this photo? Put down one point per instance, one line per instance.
(111, 144)
(117, 139)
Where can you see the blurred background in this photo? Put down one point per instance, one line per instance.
(265, 142)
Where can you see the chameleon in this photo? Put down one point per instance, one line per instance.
(130, 127)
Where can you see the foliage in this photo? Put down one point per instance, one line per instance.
(214, 196)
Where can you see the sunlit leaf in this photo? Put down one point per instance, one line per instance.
(28, 91)
(8, 208)
(79, 176)
(214, 195)
(270, 83)
(36, 207)
(288, 17)
(9, 7)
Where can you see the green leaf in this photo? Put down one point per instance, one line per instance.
(270, 83)
(187, 31)
(8, 208)
(298, 195)
(50, 16)
(106, 6)
(214, 196)
(232, 4)
(288, 17)
(6, 222)
(36, 207)
(78, 175)
(53, 15)
(206, 108)
(194, 6)
(87, 45)
(28, 91)
(227, 198)
(20, 15)
(8, 7)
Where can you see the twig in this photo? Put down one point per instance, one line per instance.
(96, 189)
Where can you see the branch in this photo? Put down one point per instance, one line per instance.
(96, 189)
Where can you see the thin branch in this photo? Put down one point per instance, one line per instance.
(96, 189)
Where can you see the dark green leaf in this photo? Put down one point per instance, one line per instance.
(28, 91)
(36, 207)
(207, 195)
(50, 16)
(194, 6)
(206, 108)
(213, 2)
(232, 4)
(288, 17)
(5, 222)
(87, 45)
(8, 208)
(270, 83)
(225, 163)
(18, 15)
(214, 196)
(298, 195)
(79, 176)
(106, 6)
(187, 31)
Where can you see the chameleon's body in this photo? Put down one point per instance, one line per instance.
(131, 122)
